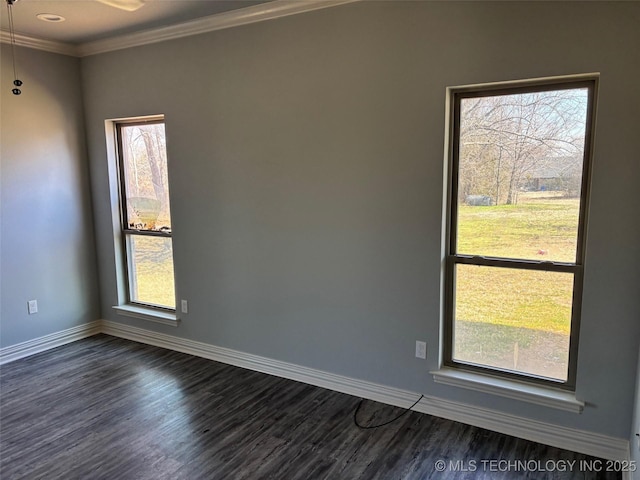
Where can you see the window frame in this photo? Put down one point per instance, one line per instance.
(452, 258)
(126, 232)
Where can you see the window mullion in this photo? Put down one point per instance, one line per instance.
(515, 263)
(149, 233)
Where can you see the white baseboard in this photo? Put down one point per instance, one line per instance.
(40, 344)
(562, 437)
(557, 436)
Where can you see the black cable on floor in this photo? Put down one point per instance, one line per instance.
(366, 427)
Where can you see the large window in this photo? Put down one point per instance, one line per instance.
(146, 215)
(519, 169)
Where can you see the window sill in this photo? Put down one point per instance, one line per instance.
(166, 318)
(539, 395)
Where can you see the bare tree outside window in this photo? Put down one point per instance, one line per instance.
(146, 178)
(505, 140)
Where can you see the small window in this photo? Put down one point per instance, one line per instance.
(146, 213)
(518, 191)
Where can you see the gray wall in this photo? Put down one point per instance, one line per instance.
(47, 245)
(306, 175)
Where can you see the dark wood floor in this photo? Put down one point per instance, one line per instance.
(107, 408)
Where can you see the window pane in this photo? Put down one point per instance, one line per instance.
(513, 319)
(520, 174)
(151, 270)
(145, 177)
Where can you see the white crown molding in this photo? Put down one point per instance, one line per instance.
(234, 18)
(40, 44)
(589, 443)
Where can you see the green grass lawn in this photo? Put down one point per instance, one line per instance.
(505, 317)
(154, 278)
(535, 229)
(536, 224)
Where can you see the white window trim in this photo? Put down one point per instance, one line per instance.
(125, 309)
(459, 375)
(146, 313)
(526, 392)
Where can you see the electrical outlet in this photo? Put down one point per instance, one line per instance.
(32, 306)
(184, 306)
(421, 349)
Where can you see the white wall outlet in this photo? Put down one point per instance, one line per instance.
(421, 349)
(184, 306)
(32, 306)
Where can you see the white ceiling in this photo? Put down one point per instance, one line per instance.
(90, 20)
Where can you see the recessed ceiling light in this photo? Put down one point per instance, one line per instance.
(50, 17)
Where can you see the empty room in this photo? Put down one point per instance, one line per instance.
(319, 239)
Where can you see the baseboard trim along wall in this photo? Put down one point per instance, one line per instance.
(557, 436)
(41, 344)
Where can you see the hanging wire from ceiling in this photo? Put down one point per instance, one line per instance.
(16, 81)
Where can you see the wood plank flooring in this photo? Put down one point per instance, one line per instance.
(107, 408)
